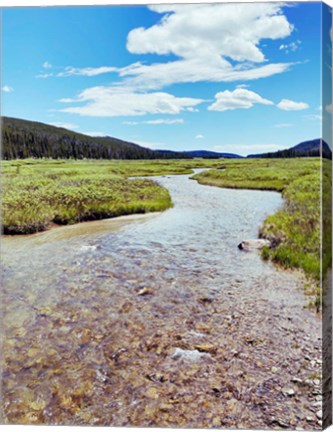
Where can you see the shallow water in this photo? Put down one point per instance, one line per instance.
(158, 320)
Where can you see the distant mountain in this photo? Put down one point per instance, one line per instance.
(211, 155)
(304, 149)
(205, 154)
(23, 139)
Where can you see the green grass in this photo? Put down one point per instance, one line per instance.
(38, 193)
(294, 230)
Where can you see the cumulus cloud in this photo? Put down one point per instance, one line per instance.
(7, 89)
(237, 99)
(212, 42)
(155, 122)
(289, 105)
(228, 30)
(199, 136)
(208, 42)
(205, 37)
(110, 101)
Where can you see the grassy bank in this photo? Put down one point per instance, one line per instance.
(37, 193)
(295, 229)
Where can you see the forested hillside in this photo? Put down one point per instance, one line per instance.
(24, 139)
(312, 148)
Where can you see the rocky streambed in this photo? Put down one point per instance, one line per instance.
(159, 321)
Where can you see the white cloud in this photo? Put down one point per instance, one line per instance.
(237, 99)
(88, 71)
(199, 136)
(113, 101)
(46, 65)
(198, 69)
(7, 89)
(212, 42)
(291, 47)
(65, 125)
(283, 125)
(228, 30)
(289, 105)
(205, 37)
(155, 122)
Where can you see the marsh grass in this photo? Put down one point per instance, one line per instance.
(40, 192)
(35, 195)
(294, 230)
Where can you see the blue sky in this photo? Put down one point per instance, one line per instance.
(241, 78)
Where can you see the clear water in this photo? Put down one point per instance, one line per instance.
(93, 313)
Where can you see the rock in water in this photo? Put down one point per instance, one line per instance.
(248, 245)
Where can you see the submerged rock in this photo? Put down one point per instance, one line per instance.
(248, 245)
(145, 291)
(189, 355)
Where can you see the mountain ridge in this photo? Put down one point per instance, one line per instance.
(310, 148)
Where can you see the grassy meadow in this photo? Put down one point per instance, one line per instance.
(294, 230)
(40, 192)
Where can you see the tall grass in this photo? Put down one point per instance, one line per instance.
(37, 195)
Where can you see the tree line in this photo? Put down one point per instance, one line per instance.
(23, 139)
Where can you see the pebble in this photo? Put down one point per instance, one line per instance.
(152, 393)
(319, 414)
(310, 419)
(288, 392)
(207, 348)
(217, 422)
(189, 355)
(145, 291)
(282, 424)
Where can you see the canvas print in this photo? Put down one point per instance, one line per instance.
(166, 219)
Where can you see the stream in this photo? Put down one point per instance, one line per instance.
(159, 320)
